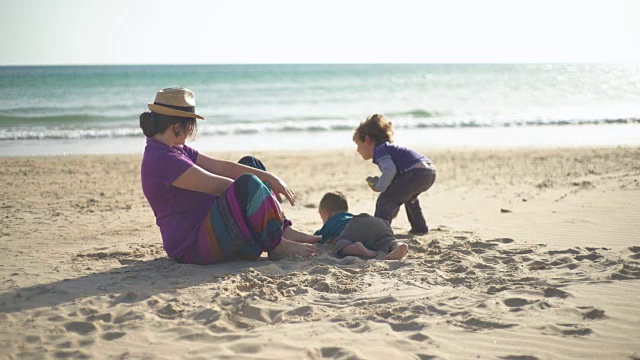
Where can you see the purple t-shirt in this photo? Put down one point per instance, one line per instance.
(404, 158)
(178, 212)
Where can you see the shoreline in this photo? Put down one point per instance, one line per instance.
(483, 138)
(532, 253)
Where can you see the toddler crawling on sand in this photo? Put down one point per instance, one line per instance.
(360, 235)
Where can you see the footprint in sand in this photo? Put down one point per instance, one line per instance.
(435, 310)
(483, 266)
(516, 302)
(478, 324)
(106, 317)
(536, 265)
(562, 260)
(80, 327)
(357, 327)
(566, 251)
(112, 335)
(33, 339)
(407, 326)
(627, 272)
(553, 292)
(334, 352)
(592, 313)
(594, 256)
(502, 240)
(568, 330)
(420, 337)
(496, 289)
(71, 354)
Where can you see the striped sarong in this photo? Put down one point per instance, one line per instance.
(243, 222)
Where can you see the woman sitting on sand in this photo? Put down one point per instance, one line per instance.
(210, 210)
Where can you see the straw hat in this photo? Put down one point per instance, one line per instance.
(176, 101)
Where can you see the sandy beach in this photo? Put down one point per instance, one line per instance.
(532, 254)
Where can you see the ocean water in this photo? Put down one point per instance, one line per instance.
(94, 109)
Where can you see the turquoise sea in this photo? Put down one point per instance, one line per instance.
(94, 109)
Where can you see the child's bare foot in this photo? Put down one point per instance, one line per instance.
(296, 235)
(358, 249)
(398, 252)
(287, 247)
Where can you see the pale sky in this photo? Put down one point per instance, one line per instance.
(60, 32)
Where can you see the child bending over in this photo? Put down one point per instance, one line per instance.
(405, 172)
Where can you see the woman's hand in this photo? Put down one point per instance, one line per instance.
(279, 187)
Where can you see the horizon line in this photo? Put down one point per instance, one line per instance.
(326, 63)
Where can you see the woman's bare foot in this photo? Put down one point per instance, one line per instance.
(358, 249)
(296, 235)
(398, 252)
(288, 247)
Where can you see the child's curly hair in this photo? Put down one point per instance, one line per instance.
(376, 127)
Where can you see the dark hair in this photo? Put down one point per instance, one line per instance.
(334, 202)
(153, 123)
(376, 127)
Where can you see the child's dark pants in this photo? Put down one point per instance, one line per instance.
(252, 162)
(404, 189)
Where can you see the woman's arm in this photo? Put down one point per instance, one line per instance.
(197, 179)
(226, 168)
(232, 170)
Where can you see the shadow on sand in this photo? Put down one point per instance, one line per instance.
(134, 281)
